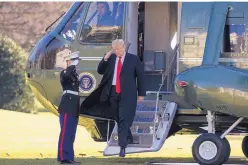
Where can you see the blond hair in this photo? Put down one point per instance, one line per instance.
(118, 42)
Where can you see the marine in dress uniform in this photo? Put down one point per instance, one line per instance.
(68, 110)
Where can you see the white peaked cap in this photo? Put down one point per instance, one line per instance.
(73, 56)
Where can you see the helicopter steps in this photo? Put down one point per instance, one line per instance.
(145, 137)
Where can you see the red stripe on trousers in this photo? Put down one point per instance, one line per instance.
(62, 138)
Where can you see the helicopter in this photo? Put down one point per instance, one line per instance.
(172, 39)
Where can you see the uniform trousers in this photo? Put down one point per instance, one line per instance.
(68, 127)
(116, 105)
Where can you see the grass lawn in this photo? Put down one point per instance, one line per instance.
(32, 139)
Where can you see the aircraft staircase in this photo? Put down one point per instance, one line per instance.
(150, 128)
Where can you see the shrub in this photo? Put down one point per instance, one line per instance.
(14, 93)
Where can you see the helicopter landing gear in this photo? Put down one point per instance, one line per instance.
(245, 146)
(210, 148)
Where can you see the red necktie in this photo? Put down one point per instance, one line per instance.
(118, 83)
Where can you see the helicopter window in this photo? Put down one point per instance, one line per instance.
(235, 39)
(196, 20)
(103, 22)
(235, 46)
(70, 29)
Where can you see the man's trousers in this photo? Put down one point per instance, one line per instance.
(68, 127)
(124, 132)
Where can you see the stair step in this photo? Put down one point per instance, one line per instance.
(150, 123)
(139, 140)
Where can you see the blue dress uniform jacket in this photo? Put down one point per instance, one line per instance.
(69, 80)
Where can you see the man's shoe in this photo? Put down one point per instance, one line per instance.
(122, 152)
(66, 162)
(74, 162)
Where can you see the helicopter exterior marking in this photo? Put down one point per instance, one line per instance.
(87, 82)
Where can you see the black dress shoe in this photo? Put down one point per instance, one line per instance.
(122, 152)
(66, 162)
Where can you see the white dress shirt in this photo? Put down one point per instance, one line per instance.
(116, 64)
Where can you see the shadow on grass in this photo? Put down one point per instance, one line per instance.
(111, 161)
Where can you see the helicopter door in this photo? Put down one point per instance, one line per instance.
(157, 52)
(103, 22)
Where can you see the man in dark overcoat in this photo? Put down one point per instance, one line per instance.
(123, 79)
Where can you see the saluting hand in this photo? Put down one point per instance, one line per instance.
(108, 55)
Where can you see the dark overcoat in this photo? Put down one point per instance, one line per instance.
(132, 84)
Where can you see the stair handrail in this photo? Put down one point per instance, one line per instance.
(164, 77)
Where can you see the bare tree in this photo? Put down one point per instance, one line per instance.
(25, 22)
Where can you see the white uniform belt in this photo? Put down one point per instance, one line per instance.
(71, 92)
